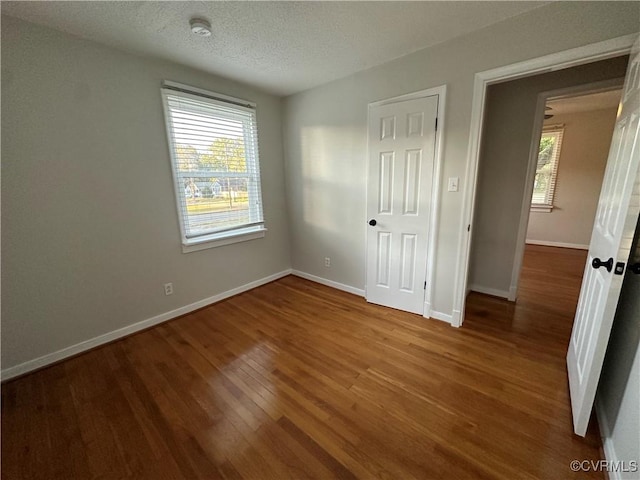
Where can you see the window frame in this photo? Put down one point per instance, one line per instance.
(548, 205)
(253, 229)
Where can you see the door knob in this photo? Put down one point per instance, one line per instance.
(635, 268)
(373, 222)
(597, 263)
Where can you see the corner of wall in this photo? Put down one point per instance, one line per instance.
(605, 435)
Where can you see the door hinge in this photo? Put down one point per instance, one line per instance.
(436, 124)
(469, 228)
(425, 285)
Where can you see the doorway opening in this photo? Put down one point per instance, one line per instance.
(513, 124)
(570, 144)
(483, 81)
(570, 149)
(533, 257)
(617, 210)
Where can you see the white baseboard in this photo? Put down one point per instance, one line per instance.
(427, 310)
(445, 317)
(545, 243)
(329, 283)
(50, 358)
(607, 443)
(490, 291)
(356, 291)
(452, 319)
(456, 319)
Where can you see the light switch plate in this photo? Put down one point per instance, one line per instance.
(453, 184)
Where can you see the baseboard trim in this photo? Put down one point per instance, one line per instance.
(328, 283)
(445, 317)
(456, 318)
(427, 310)
(607, 444)
(545, 243)
(494, 292)
(51, 358)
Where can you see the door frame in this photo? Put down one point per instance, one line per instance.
(441, 93)
(549, 63)
(538, 120)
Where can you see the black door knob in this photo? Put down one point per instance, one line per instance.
(597, 263)
(635, 268)
(373, 222)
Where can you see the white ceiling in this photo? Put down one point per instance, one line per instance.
(585, 103)
(282, 47)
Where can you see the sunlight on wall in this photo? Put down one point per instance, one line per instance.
(329, 182)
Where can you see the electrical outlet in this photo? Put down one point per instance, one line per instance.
(168, 288)
(327, 262)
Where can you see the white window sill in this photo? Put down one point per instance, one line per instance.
(220, 239)
(542, 208)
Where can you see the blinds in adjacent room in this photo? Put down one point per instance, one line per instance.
(214, 152)
(547, 167)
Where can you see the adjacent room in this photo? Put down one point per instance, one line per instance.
(272, 240)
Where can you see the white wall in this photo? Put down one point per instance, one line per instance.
(326, 137)
(89, 223)
(583, 158)
(504, 158)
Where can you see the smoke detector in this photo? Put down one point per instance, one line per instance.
(200, 27)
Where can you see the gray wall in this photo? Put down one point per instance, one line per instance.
(89, 223)
(618, 397)
(583, 158)
(504, 157)
(326, 133)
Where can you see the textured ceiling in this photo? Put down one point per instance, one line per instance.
(282, 47)
(585, 103)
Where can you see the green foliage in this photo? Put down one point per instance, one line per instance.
(546, 149)
(225, 155)
(187, 158)
(543, 170)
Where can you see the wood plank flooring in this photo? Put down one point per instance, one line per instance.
(297, 380)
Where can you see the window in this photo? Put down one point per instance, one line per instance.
(547, 168)
(214, 153)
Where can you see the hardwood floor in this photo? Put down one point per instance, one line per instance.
(297, 380)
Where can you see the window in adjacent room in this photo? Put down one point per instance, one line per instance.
(213, 143)
(547, 168)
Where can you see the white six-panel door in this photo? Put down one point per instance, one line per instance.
(400, 182)
(611, 242)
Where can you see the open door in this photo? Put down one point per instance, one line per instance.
(611, 241)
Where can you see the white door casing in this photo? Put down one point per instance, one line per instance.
(611, 241)
(402, 140)
(556, 61)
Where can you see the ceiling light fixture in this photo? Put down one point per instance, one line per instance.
(200, 27)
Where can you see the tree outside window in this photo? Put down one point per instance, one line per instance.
(214, 151)
(547, 167)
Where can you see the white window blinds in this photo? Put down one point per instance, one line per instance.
(547, 166)
(214, 153)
